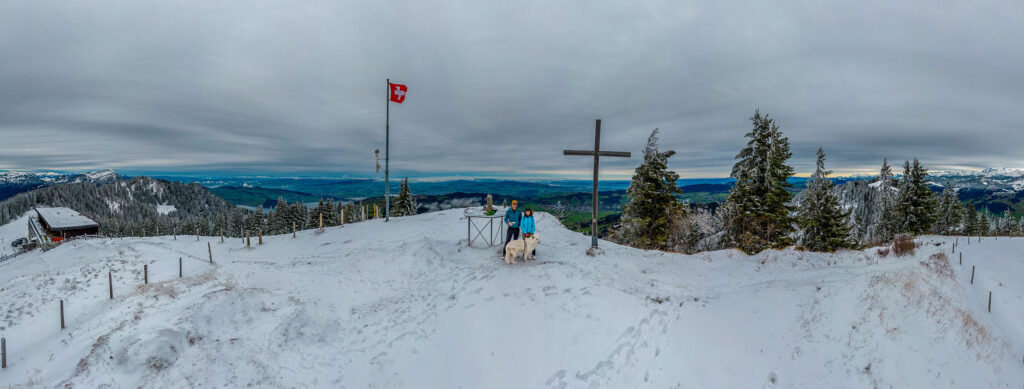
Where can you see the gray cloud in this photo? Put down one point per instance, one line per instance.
(501, 88)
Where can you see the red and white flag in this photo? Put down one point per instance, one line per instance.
(397, 92)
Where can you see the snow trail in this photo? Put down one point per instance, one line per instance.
(406, 304)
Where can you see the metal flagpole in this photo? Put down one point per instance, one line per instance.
(387, 156)
(597, 153)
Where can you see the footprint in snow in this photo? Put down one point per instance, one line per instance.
(771, 381)
(558, 376)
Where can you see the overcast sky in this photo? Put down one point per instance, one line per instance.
(501, 88)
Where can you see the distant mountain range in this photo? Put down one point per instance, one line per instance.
(997, 188)
(994, 180)
(14, 182)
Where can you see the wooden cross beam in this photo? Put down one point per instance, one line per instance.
(597, 154)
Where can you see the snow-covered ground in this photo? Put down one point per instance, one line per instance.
(407, 304)
(164, 209)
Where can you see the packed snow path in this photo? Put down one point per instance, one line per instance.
(406, 304)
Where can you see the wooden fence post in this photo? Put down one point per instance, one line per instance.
(110, 279)
(972, 274)
(222, 236)
(145, 274)
(990, 301)
(143, 231)
(3, 353)
(321, 221)
(197, 234)
(210, 251)
(961, 257)
(63, 327)
(248, 239)
(261, 235)
(342, 214)
(293, 230)
(179, 267)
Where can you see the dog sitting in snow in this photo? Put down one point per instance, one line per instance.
(523, 246)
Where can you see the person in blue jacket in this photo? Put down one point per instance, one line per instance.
(528, 226)
(512, 218)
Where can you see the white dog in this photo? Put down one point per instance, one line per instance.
(523, 246)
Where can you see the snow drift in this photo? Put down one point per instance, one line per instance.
(407, 304)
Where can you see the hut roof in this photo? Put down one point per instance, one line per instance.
(62, 218)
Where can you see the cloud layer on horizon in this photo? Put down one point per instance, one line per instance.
(500, 88)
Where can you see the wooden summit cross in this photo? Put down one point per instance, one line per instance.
(597, 153)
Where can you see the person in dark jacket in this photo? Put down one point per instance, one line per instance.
(512, 218)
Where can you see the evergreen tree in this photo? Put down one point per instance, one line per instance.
(257, 221)
(404, 204)
(983, 224)
(330, 213)
(885, 225)
(220, 225)
(949, 211)
(970, 220)
(915, 202)
(237, 224)
(350, 213)
(327, 210)
(1009, 224)
(760, 217)
(821, 218)
(276, 222)
(647, 217)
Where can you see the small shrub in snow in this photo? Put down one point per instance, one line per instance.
(975, 335)
(903, 245)
(939, 264)
(883, 252)
(659, 300)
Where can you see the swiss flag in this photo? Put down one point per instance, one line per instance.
(397, 92)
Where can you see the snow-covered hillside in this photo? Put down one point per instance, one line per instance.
(407, 304)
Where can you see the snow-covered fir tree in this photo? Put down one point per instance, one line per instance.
(984, 228)
(649, 216)
(822, 220)
(326, 209)
(915, 202)
(560, 210)
(759, 216)
(948, 220)
(885, 225)
(256, 221)
(351, 213)
(405, 204)
(970, 219)
(277, 221)
(707, 225)
(1007, 224)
